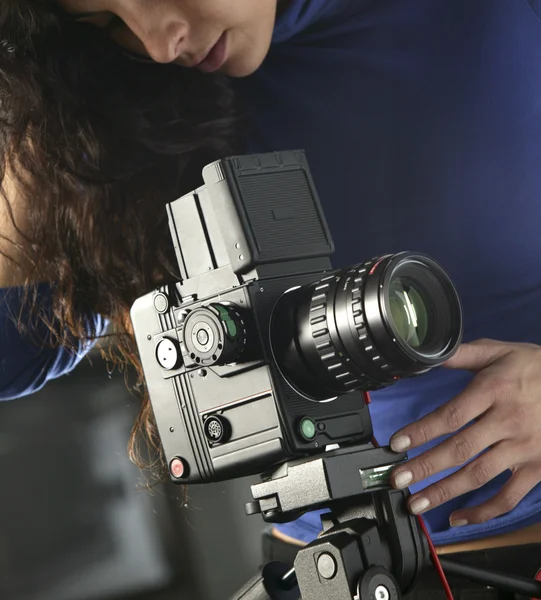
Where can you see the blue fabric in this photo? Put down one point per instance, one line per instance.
(422, 125)
(26, 363)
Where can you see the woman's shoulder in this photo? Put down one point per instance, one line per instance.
(308, 17)
(27, 361)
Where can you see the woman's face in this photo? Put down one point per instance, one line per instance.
(231, 36)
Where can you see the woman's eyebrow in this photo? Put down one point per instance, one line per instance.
(109, 19)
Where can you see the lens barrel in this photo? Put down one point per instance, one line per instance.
(367, 326)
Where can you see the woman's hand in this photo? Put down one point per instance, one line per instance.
(504, 401)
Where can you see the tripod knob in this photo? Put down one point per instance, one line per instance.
(378, 584)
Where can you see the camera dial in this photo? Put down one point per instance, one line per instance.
(213, 335)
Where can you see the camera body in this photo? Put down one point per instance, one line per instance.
(224, 408)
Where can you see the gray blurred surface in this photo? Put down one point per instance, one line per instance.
(76, 521)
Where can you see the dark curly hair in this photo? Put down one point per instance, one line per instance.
(97, 144)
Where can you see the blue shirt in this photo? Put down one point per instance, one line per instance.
(27, 362)
(422, 125)
(421, 120)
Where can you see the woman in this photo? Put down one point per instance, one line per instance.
(421, 122)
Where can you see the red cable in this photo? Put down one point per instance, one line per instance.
(433, 553)
(436, 560)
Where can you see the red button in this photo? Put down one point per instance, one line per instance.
(177, 468)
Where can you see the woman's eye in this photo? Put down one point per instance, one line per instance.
(115, 23)
(115, 27)
(102, 19)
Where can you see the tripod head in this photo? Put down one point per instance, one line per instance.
(370, 548)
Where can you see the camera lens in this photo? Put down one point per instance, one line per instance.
(367, 326)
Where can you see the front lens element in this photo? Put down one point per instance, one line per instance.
(409, 311)
(418, 302)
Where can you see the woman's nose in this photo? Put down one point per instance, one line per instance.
(165, 42)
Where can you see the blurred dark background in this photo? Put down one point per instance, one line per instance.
(77, 521)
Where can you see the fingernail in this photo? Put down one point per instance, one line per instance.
(458, 522)
(419, 505)
(400, 443)
(402, 479)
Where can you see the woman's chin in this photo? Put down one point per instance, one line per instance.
(245, 65)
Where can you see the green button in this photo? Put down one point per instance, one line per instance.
(308, 428)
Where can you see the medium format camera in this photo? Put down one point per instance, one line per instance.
(261, 352)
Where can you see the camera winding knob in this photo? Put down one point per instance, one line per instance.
(214, 335)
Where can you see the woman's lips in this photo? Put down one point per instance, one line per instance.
(216, 57)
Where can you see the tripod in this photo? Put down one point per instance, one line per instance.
(371, 548)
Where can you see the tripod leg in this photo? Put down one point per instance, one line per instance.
(272, 584)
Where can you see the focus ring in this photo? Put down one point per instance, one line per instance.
(362, 273)
(333, 362)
